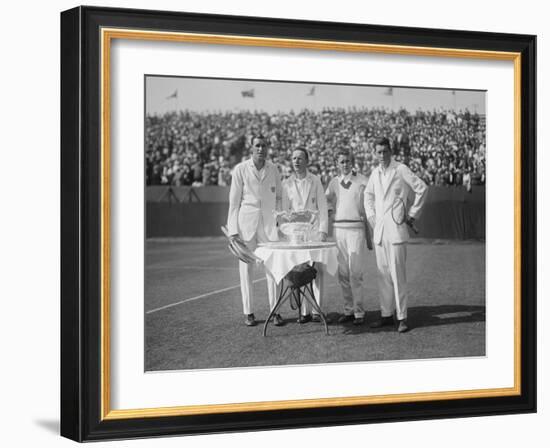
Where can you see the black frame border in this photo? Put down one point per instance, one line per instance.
(81, 223)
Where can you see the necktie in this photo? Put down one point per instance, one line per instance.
(346, 185)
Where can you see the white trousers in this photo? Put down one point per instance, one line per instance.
(246, 270)
(392, 280)
(352, 253)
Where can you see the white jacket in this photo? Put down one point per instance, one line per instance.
(253, 194)
(313, 199)
(401, 182)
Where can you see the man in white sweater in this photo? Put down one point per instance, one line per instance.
(345, 194)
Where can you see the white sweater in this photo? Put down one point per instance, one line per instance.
(345, 196)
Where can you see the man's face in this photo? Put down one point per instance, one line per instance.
(299, 162)
(259, 149)
(383, 154)
(344, 163)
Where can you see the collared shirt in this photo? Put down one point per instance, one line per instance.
(385, 173)
(306, 194)
(259, 173)
(346, 178)
(301, 185)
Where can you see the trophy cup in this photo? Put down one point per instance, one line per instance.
(298, 227)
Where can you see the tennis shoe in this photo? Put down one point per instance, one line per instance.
(345, 318)
(278, 320)
(250, 320)
(317, 318)
(383, 322)
(403, 327)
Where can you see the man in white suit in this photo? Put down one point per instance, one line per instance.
(389, 183)
(304, 191)
(254, 195)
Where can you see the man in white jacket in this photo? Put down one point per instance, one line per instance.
(389, 186)
(254, 195)
(304, 191)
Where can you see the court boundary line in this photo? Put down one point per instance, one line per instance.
(201, 296)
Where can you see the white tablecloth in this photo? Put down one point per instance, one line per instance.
(280, 262)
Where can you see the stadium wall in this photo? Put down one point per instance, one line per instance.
(161, 193)
(450, 213)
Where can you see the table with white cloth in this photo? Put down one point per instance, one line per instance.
(281, 258)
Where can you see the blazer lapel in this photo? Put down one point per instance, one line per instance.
(253, 171)
(292, 191)
(263, 172)
(307, 189)
(386, 187)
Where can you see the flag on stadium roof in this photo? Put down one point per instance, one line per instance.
(311, 91)
(247, 93)
(174, 95)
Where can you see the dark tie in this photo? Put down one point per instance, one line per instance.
(346, 185)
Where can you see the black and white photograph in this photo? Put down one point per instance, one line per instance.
(294, 223)
(138, 255)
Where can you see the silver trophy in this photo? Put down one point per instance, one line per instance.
(298, 227)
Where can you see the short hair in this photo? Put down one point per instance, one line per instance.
(304, 150)
(382, 141)
(256, 136)
(344, 152)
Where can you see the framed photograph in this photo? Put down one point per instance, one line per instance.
(274, 224)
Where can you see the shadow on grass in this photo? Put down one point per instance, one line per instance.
(290, 320)
(430, 316)
(425, 316)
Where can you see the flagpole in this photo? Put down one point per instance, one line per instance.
(315, 99)
(453, 93)
(174, 96)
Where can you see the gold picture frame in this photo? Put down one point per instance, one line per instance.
(91, 165)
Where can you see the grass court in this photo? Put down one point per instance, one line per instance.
(194, 318)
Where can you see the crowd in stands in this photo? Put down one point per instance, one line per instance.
(444, 148)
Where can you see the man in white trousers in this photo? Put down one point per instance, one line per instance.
(254, 195)
(345, 196)
(389, 188)
(304, 191)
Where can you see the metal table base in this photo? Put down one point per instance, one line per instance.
(304, 292)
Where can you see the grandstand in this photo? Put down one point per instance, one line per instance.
(443, 147)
